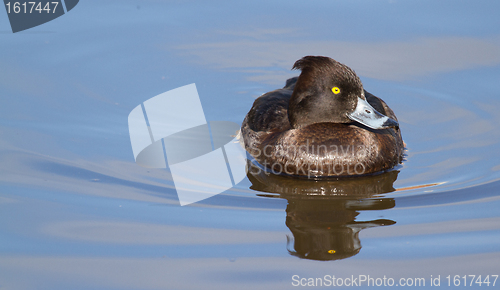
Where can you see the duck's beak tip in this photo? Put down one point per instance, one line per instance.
(365, 114)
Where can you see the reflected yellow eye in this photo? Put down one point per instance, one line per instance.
(336, 90)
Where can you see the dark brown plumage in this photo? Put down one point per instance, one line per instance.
(306, 130)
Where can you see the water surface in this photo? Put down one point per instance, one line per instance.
(78, 213)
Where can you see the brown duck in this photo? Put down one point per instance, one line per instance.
(322, 124)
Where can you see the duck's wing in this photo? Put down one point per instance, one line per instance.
(268, 116)
(269, 112)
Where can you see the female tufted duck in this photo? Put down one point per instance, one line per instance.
(322, 124)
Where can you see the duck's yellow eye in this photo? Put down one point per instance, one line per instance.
(332, 252)
(336, 90)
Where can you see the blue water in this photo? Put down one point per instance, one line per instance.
(76, 211)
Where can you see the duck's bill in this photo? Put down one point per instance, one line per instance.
(368, 116)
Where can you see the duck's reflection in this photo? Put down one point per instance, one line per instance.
(321, 214)
(326, 229)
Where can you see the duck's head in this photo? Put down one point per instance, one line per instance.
(328, 91)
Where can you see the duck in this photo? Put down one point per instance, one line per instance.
(322, 124)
